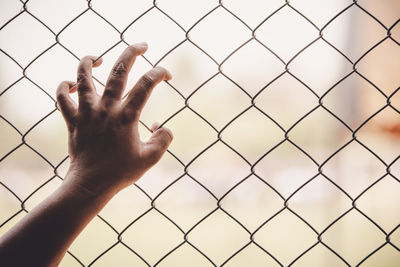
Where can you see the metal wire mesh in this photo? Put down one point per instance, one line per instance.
(285, 132)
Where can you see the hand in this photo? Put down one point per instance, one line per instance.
(105, 149)
(106, 155)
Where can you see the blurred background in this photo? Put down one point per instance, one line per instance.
(285, 117)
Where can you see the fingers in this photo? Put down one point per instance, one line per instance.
(84, 81)
(138, 96)
(65, 103)
(157, 144)
(119, 74)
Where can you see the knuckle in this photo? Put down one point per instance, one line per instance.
(128, 115)
(85, 108)
(82, 81)
(119, 70)
(102, 113)
(147, 81)
(110, 93)
(81, 78)
(60, 89)
(61, 98)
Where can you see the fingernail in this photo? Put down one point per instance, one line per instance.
(169, 75)
(97, 59)
(72, 88)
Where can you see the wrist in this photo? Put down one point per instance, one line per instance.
(89, 183)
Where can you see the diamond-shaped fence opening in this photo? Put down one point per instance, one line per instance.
(286, 117)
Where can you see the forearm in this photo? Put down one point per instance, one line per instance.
(43, 236)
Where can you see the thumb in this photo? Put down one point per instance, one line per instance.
(157, 144)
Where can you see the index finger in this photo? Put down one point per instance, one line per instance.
(84, 81)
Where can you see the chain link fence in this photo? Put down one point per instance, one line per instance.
(285, 117)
